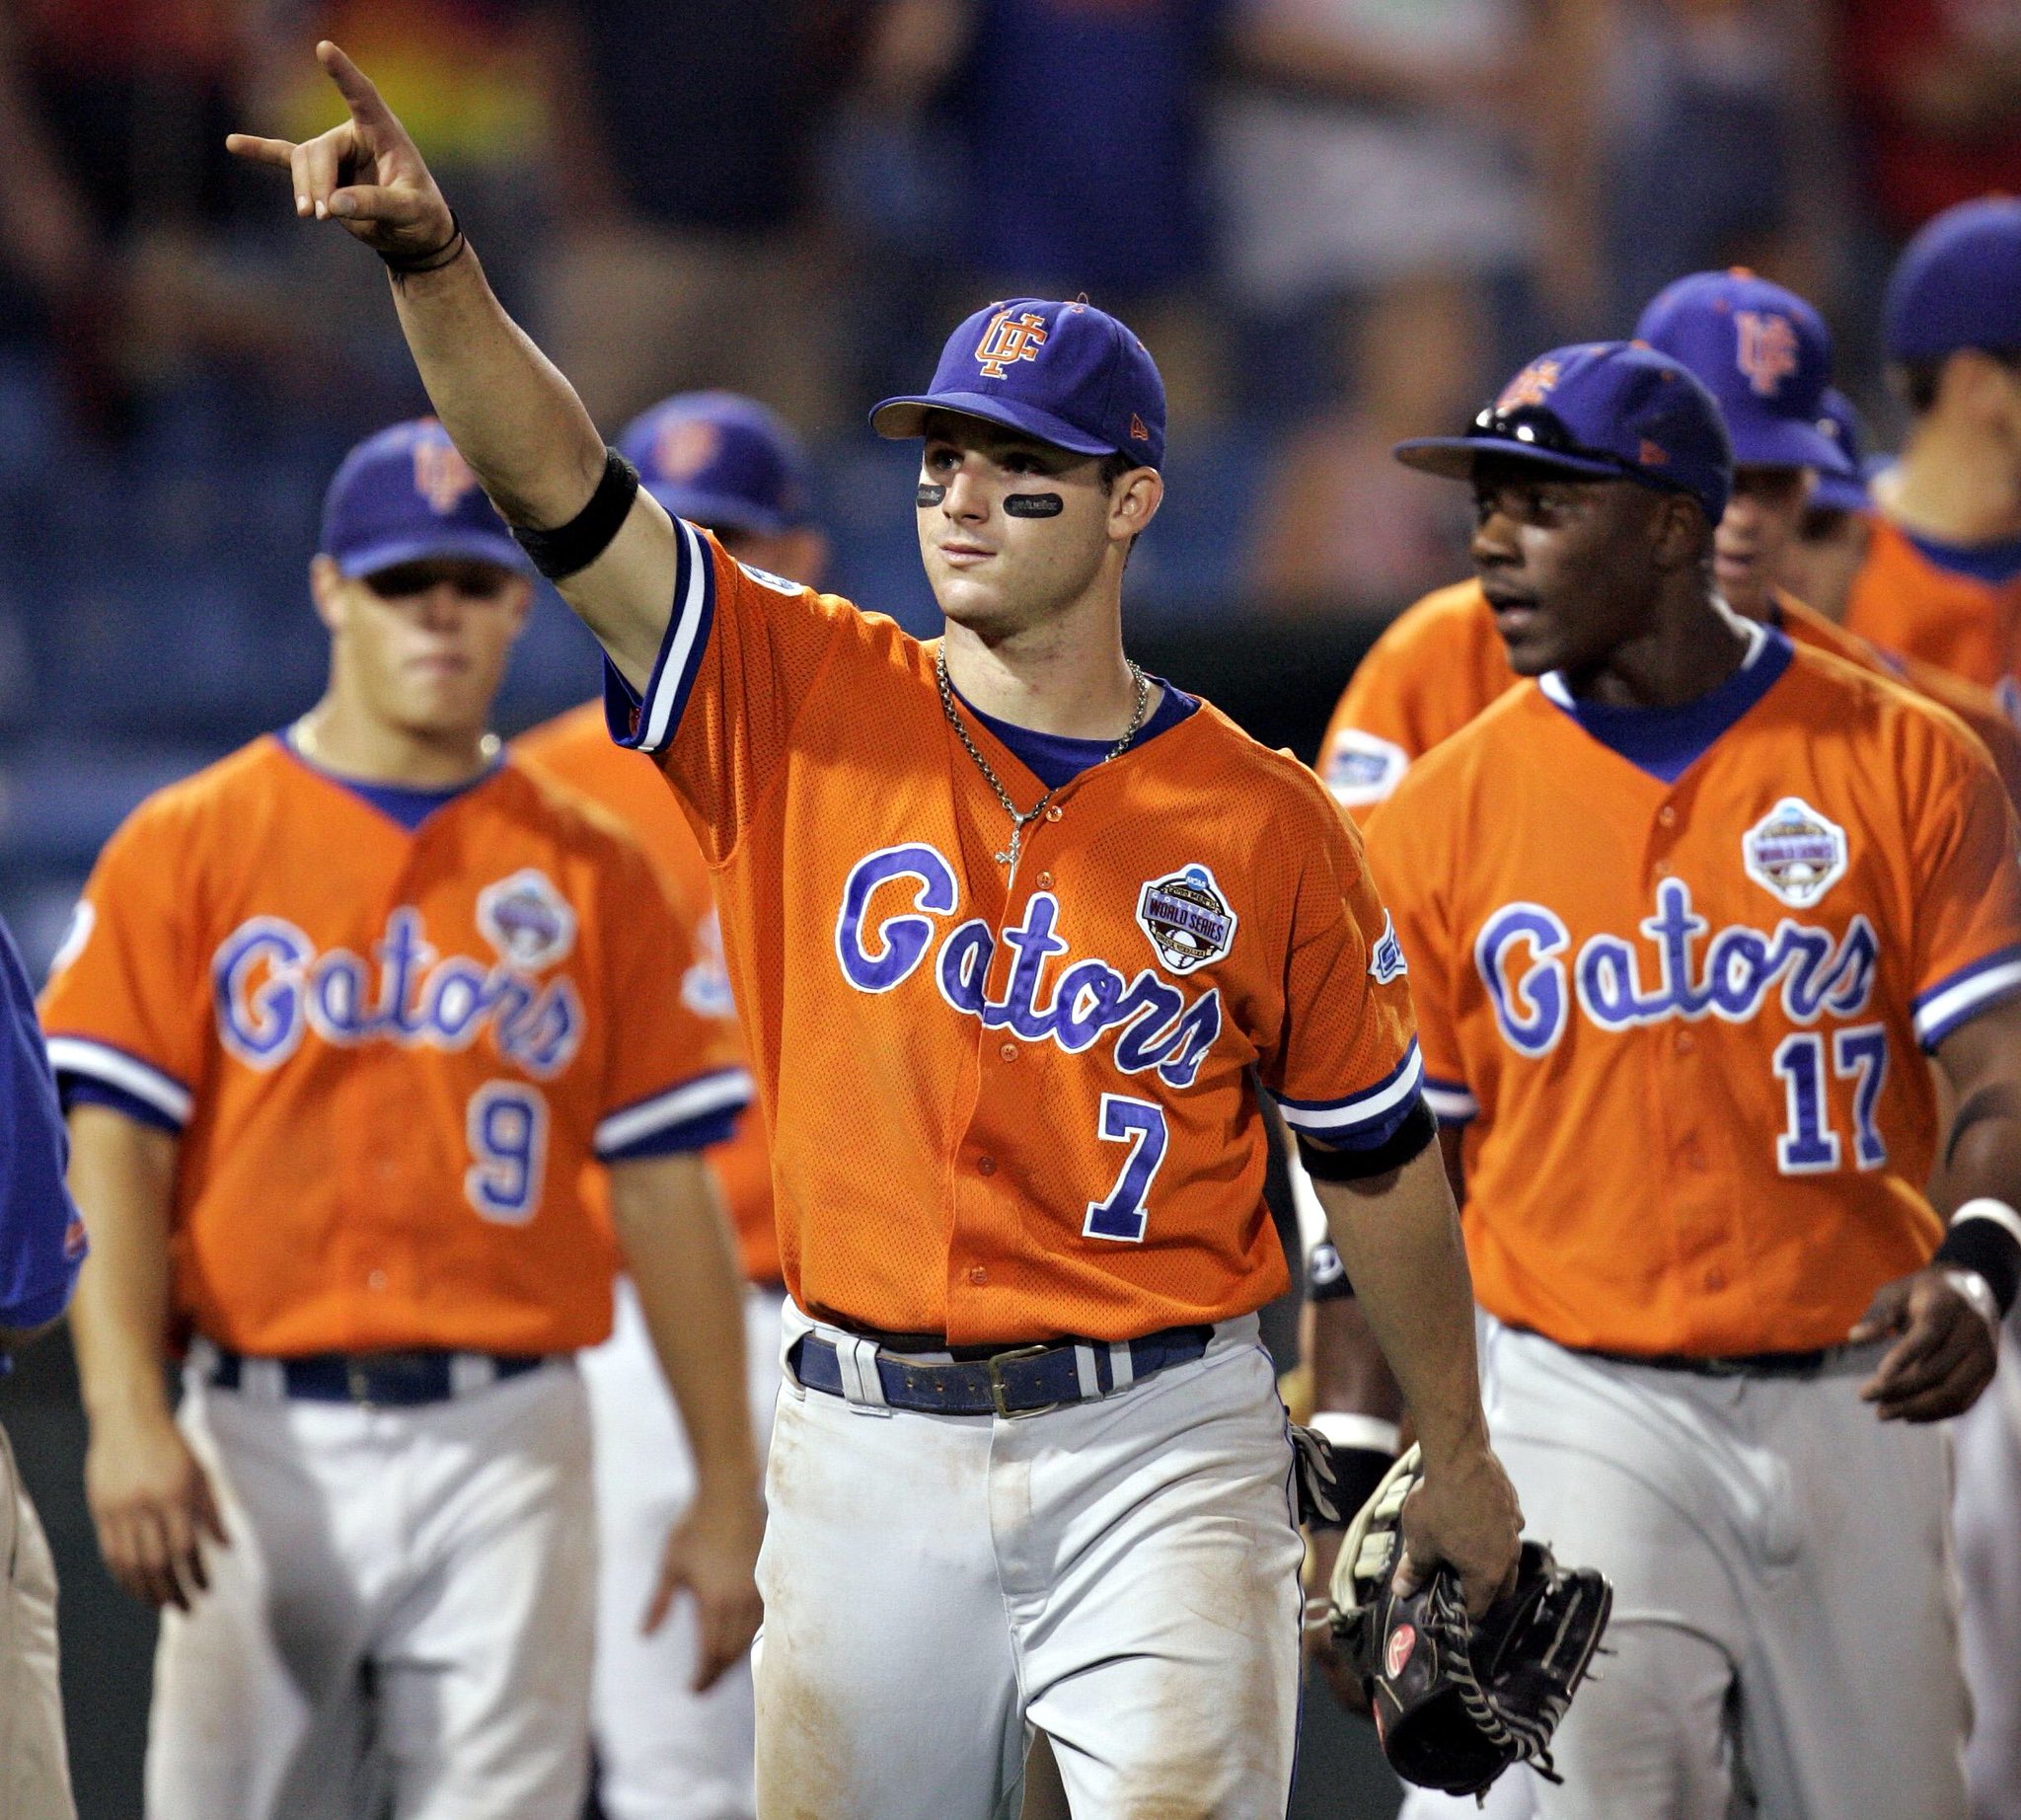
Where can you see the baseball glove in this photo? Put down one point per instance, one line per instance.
(1455, 1700)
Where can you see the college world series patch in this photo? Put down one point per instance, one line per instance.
(1187, 919)
(527, 920)
(1794, 852)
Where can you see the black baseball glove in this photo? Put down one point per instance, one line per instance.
(1457, 1700)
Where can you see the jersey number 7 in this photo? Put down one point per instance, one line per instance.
(1141, 1126)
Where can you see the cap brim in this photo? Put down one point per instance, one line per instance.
(437, 547)
(1453, 457)
(898, 418)
(720, 512)
(1840, 492)
(1780, 442)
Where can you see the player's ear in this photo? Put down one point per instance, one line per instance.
(326, 589)
(1134, 500)
(519, 603)
(1682, 533)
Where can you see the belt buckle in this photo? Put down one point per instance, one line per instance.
(997, 1381)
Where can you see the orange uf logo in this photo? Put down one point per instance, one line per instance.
(1766, 349)
(1531, 386)
(1006, 341)
(441, 476)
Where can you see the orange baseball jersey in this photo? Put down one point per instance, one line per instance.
(388, 1054)
(1442, 661)
(1680, 1018)
(576, 748)
(1905, 600)
(1013, 1108)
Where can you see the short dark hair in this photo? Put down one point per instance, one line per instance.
(1114, 466)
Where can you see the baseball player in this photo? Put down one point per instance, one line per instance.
(341, 1020)
(1942, 576)
(1765, 356)
(664, 1753)
(42, 1246)
(1682, 908)
(1012, 928)
(1831, 543)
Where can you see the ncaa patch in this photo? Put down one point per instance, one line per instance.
(527, 920)
(1795, 853)
(778, 584)
(1186, 918)
(1362, 769)
(1386, 958)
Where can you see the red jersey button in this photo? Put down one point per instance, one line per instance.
(986, 1166)
(978, 1275)
(1008, 1051)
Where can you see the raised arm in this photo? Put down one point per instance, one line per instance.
(506, 407)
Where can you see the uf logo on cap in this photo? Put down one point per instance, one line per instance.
(441, 476)
(1766, 350)
(1005, 342)
(1531, 386)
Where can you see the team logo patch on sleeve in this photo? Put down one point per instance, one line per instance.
(1187, 919)
(1794, 852)
(1386, 958)
(527, 920)
(1362, 769)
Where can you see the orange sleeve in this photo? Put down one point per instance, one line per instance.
(127, 1006)
(1346, 1070)
(1968, 914)
(740, 653)
(675, 1076)
(1418, 904)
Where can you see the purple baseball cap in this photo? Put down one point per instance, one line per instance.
(1846, 492)
(1605, 410)
(1067, 373)
(722, 461)
(406, 496)
(1958, 284)
(1762, 353)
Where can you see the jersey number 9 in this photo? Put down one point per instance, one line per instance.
(507, 1129)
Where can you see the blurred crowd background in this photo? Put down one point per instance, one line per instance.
(1335, 222)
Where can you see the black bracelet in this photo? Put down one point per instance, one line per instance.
(447, 253)
(560, 553)
(1417, 1133)
(1988, 1246)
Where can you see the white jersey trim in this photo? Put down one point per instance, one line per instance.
(728, 1090)
(98, 1061)
(1957, 999)
(1337, 1117)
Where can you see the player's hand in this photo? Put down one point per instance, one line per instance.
(1322, 1550)
(1949, 1345)
(365, 173)
(712, 1556)
(1464, 1513)
(153, 1505)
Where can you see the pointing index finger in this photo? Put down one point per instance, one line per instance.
(256, 150)
(361, 94)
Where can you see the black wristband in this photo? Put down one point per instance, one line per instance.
(1989, 1248)
(447, 253)
(560, 553)
(1419, 1129)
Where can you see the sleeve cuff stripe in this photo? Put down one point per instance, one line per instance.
(666, 692)
(96, 1061)
(1941, 1009)
(726, 1091)
(1326, 1118)
(1453, 1105)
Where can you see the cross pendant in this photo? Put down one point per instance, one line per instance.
(1016, 841)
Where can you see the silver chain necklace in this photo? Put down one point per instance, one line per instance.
(1021, 822)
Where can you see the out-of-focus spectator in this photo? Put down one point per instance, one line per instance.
(1717, 142)
(1936, 87)
(1078, 150)
(690, 254)
(1369, 174)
